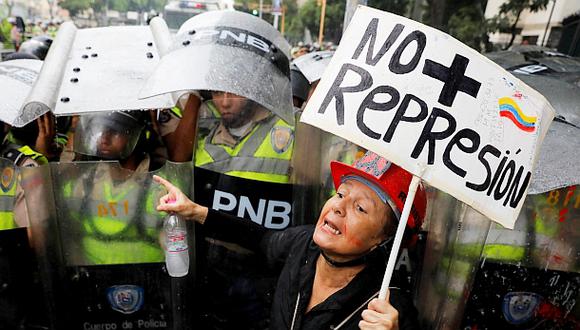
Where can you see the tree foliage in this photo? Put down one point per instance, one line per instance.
(463, 19)
(468, 25)
(119, 5)
(76, 7)
(511, 10)
(571, 18)
(309, 17)
(399, 7)
(144, 5)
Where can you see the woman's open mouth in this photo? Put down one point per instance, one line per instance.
(331, 228)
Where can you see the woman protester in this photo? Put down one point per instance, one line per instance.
(331, 272)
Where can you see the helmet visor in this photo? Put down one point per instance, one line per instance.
(107, 136)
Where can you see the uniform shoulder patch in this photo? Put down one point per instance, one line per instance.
(8, 179)
(281, 138)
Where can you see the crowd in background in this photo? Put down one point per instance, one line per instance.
(14, 31)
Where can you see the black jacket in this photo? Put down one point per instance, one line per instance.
(294, 251)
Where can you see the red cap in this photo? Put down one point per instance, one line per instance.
(390, 178)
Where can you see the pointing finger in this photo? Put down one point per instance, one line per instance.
(163, 182)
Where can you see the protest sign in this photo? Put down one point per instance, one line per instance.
(435, 107)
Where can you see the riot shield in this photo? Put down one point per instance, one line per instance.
(306, 170)
(456, 235)
(19, 291)
(312, 65)
(249, 178)
(313, 152)
(16, 79)
(228, 51)
(529, 277)
(98, 236)
(313, 185)
(482, 276)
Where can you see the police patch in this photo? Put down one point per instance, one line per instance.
(281, 138)
(520, 307)
(7, 180)
(126, 299)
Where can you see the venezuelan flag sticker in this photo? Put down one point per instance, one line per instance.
(509, 109)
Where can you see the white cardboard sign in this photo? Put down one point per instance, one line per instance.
(424, 100)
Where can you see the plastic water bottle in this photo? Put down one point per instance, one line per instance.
(176, 249)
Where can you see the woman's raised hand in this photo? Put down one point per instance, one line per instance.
(176, 201)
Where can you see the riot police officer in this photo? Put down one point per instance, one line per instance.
(105, 200)
(306, 73)
(239, 64)
(300, 86)
(258, 144)
(114, 136)
(109, 238)
(27, 146)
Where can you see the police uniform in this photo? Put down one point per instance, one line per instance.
(263, 152)
(238, 54)
(7, 194)
(21, 156)
(115, 213)
(120, 234)
(108, 231)
(260, 152)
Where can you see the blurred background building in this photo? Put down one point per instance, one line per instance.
(555, 25)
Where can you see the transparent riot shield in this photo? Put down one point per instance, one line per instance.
(456, 235)
(313, 152)
(19, 290)
(478, 275)
(306, 171)
(529, 277)
(99, 239)
(229, 51)
(248, 177)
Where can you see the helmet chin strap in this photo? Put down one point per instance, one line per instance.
(357, 261)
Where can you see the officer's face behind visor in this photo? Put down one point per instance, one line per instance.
(107, 136)
(235, 110)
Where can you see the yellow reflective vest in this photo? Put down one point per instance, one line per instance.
(117, 226)
(7, 195)
(262, 155)
(16, 154)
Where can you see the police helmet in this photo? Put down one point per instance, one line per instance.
(20, 56)
(111, 135)
(37, 46)
(300, 85)
(230, 52)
